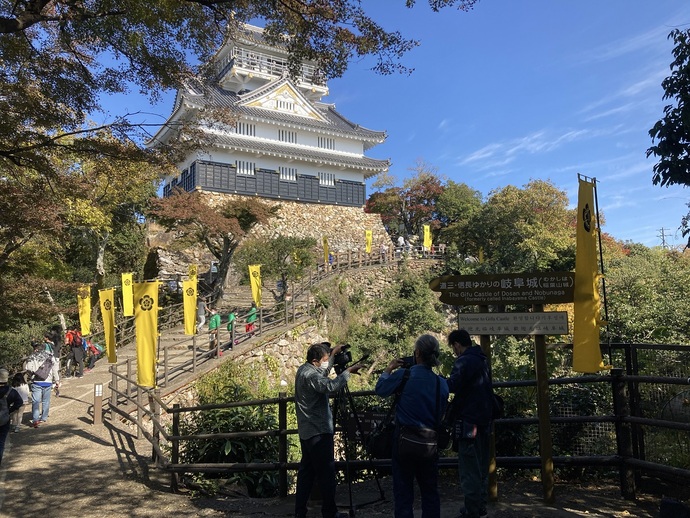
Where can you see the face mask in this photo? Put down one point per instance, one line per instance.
(324, 365)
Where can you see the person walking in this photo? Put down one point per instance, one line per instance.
(421, 404)
(41, 390)
(10, 401)
(472, 409)
(213, 328)
(232, 316)
(22, 387)
(75, 342)
(315, 427)
(251, 319)
(201, 310)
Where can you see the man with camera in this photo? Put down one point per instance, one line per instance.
(422, 402)
(471, 409)
(315, 424)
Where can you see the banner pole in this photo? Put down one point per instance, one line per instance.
(603, 278)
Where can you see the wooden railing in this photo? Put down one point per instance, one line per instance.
(621, 455)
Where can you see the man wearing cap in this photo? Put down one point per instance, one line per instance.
(13, 401)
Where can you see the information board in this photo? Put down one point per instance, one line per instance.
(541, 323)
(506, 289)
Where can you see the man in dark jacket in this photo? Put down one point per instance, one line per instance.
(12, 401)
(470, 381)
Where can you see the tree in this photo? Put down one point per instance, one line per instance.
(219, 228)
(646, 293)
(523, 230)
(284, 258)
(405, 209)
(671, 134)
(457, 206)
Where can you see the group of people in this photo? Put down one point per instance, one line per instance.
(421, 403)
(41, 376)
(215, 321)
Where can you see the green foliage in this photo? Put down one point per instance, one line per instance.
(647, 296)
(231, 383)
(523, 230)
(283, 258)
(16, 344)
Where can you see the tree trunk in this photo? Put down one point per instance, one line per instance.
(100, 261)
(61, 316)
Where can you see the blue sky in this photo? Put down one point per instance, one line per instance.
(518, 90)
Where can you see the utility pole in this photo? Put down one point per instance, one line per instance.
(662, 236)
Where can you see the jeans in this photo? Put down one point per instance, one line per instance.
(4, 430)
(317, 464)
(404, 473)
(473, 466)
(41, 398)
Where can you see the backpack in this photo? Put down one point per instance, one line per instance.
(76, 340)
(39, 365)
(4, 409)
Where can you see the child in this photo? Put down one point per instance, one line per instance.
(231, 324)
(20, 385)
(94, 351)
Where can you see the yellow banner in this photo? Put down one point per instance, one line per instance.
(127, 297)
(255, 281)
(193, 273)
(189, 299)
(325, 250)
(146, 322)
(586, 309)
(367, 239)
(84, 305)
(427, 237)
(107, 300)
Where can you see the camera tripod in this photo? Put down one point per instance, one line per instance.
(340, 415)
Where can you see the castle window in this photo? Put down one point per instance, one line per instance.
(326, 142)
(288, 174)
(246, 128)
(326, 178)
(285, 105)
(244, 167)
(287, 136)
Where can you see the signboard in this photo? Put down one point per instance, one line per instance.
(508, 288)
(542, 323)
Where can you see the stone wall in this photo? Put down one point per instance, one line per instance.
(343, 226)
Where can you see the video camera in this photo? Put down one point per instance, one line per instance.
(407, 362)
(344, 357)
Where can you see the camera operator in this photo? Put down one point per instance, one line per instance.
(315, 427)
(418, 406)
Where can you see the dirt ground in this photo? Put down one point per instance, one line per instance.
(71, 467)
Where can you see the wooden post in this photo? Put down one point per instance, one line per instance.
(485, 344)
(282, 445)
(261, 320)
(129, 377)
(545, 444)
(621, 409)
(175, 454)
(98, 403)
(156, 418)
(165, 366)
(113, 386)
(140, 412)
(194, 353)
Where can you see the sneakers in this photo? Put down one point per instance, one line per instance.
(15, 429)
(34, 424)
